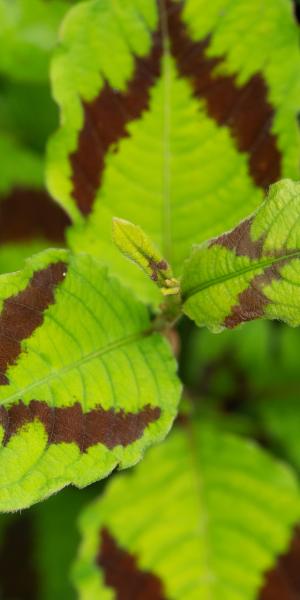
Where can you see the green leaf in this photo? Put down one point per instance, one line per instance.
(85, 386)
(251, 272)
(28, 34)
(203, 516)
(180, 128)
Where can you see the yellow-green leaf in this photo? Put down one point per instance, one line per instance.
(85, 386)
(203, 517)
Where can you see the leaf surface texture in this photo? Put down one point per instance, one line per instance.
(84, 384)
(203, 516)
(179, 129)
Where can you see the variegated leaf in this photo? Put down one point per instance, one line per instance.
(252, 271)
(203, 517)
(85, 386)
(176, 115)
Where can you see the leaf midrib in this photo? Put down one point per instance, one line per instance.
(195, 459)
(252, 267)
(77, 364)
(166, 175)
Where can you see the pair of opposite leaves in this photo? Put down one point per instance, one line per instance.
(71, 337)
(86, 384)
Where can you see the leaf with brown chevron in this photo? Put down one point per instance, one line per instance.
(146, 537)
(181, 114)
(244, 109)
(85, 386)
(251, 272)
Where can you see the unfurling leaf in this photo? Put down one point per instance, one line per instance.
(204, 516)
(251, 272)
(179, 128)
(137, 246)
(85, 385)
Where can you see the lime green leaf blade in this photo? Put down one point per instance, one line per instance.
(203, 516)
(180, 129)
(251, 272)
(85, 386)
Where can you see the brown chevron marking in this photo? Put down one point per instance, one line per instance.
(23, 313)
(283, 581)
(122, 574)
(105, 124)
(239, 240)
(245, 110)
(27, 214)
(252, 301)
(69, 424)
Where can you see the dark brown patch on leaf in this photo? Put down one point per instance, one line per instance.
(239, 240)
(23, 313)
(122, 574)
(105, 124)
(69, 424)
(252, 301)
(283, 581)
(245, 109)
(156, 267)
(27, 214)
